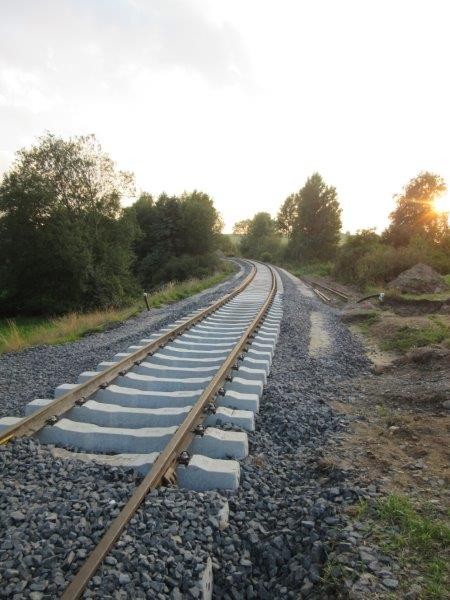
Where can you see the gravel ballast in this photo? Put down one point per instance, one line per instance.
(286, 520)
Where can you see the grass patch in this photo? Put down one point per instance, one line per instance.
(418, 538)
(305, 270)
(367, 323)
(407, 337)
(23, 332)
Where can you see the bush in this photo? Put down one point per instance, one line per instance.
(364, 260)
(266, 257)
(354, 248)
(153, 271)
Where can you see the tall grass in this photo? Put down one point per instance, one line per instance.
(16, 334)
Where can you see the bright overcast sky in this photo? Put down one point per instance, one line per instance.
(243, 99)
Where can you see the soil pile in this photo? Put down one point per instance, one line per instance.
(420, 279)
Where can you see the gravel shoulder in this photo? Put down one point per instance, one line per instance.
(35, 372)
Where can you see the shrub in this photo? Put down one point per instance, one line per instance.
(364, 260)
(153, 270)
(354, 248)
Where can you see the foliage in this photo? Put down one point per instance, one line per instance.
(316, 230)
(288, 214)
(226, 244)
(415, 215)
(418, 538)
(261, 238)
(320, 269)
(178, 237)
(241, 227)
(363, 258)
(383, 263)
(64, 242)
(353, 249)
(23, 332)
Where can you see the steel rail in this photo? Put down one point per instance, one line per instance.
(49, 414)
(166, 459)
(332, 290)
(321, 295)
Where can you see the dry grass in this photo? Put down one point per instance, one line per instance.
(16, 334)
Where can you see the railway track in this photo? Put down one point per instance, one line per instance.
(321, 291)
(175, 406)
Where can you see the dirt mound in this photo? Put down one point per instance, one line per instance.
(420, 279)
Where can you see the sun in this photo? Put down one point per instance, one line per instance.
(442, 204)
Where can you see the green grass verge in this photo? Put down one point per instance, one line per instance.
(309, 269)
(418, 538)
(23, 332)
(407, 337)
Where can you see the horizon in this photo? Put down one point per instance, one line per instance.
(228, 99)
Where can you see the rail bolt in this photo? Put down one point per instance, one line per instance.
(241, 356)
(235, 367)
(51, 420)
(199, 430)
(228, 378)
(80, 401)
(103, 386)
(221, 392)
(211, 408)
(184, 458)
(123, 372)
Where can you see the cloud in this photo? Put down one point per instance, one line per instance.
(68, 43)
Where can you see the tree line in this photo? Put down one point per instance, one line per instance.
(68, 245)
(307, 230)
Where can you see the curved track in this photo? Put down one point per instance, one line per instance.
(175, 407)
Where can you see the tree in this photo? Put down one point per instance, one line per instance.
(288, 214)
(261, 238)
(241, 227)
(354, 248)
(415, 215)
(64, 244)
(316, 229)
(178, 237)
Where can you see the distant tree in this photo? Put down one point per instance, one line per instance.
(287, 215)
(241, 227)
(262, 238)
(65, 244)
(202, 223)
(226, 245)
(316, 230)
(178, 237)
(415, 215)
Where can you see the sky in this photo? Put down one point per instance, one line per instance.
(242, 99)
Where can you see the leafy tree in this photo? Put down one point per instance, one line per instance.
(287, 215)
(262, 238)
(178, 237)
(64, 243)
(354, 248)
(316, 229)
(415, 215)
(241, 227)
